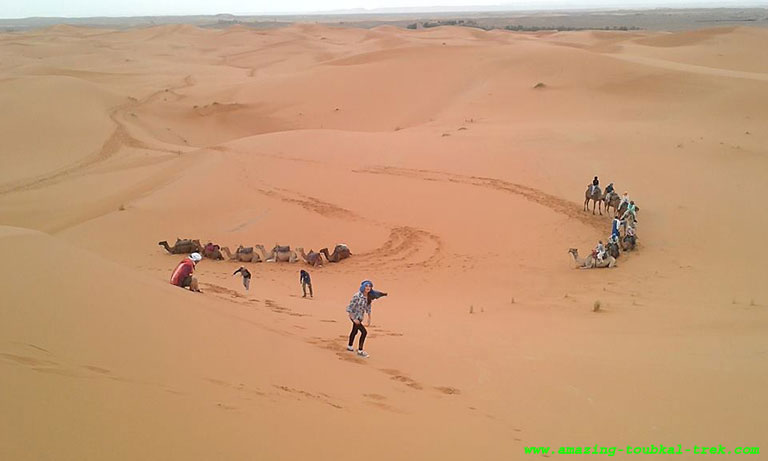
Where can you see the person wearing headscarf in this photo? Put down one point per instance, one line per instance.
(358, 306)
(182, 275)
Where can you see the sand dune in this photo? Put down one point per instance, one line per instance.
(458, 186)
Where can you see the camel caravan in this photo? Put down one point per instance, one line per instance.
(258, 253)
(623, 226)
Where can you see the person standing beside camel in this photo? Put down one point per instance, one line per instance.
(182, 275)
(615, 226)
(358, 306)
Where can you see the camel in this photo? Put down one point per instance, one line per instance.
(629, 242)
(596, 198)
(630, 221)
(611, 200)
(248, 254)
(590, 262)
(612, 249)
(281, 254)
(212, 251)
(313, 258)
(620, 211)
(341, 251)
(182, 246)
(623, 208)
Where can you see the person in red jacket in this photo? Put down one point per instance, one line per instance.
(182, 275)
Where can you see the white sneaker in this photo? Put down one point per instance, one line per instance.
(362, 354)
(350, 348)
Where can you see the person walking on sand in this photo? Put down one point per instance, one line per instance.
(306, 282)
(182, 275)
(615, 226)
(357, 308)
(246, 276)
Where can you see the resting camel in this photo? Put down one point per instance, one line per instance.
(590, 262)
(281, 254)
(595, 196)
(341, 251)
(248, 254)
(212, 251)
(313, 258)
(182, 246)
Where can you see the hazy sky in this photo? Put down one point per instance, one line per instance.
(86, 8)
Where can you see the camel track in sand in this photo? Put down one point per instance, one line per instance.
(311, 204)
(531, 194)
(406, 247)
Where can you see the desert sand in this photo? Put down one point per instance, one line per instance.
(457, 185)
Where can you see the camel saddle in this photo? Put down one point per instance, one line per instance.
(244, 250)
(282, 249)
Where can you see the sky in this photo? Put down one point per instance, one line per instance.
(90, 8)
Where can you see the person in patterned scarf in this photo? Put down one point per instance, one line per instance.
(357, 308)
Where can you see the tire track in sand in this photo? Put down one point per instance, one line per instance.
(531, 194)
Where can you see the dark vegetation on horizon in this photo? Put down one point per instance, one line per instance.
(513, 27)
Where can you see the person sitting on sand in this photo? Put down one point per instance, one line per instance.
(246, 276)
(306, 282)
(182, 275)
(358, 306)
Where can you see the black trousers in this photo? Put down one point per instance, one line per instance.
(363, 334)
(304, 286)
